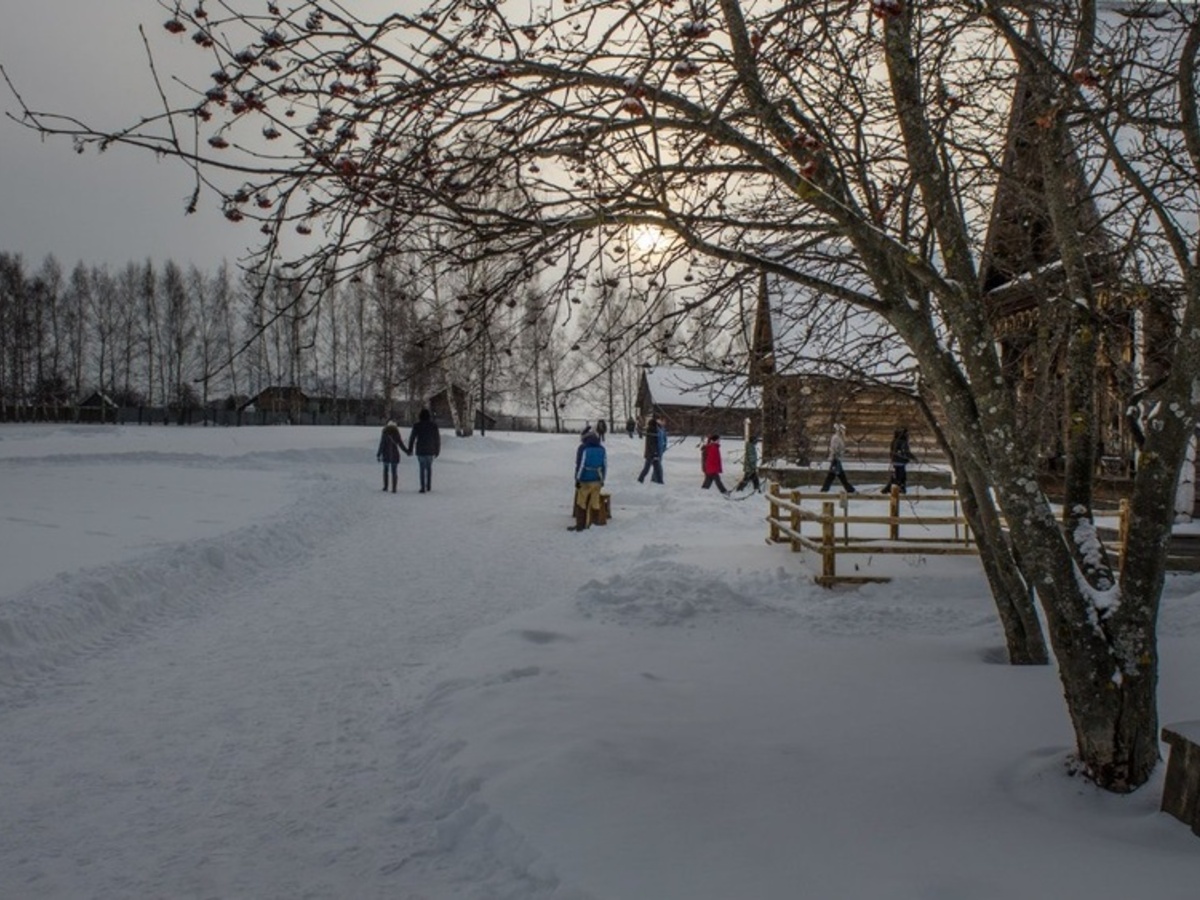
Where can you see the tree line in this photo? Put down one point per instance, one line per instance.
(173, 336)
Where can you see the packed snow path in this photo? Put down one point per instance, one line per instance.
(278, 762)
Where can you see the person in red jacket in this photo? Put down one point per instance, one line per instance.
(710, 462)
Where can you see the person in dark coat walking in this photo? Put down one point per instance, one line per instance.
(391, 445)
(837, 449)
(426, 442)
(630, 426)
(601, 429)
(750, 465)
(652, 453)
(900, 455)
(710, 463)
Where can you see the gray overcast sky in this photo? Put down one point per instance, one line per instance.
(85, 57)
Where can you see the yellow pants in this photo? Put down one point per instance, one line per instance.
(587, 504)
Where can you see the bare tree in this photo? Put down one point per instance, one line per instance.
(390, 310)
(224, 302)
(179, 332)
(104, 322)
(150, 323)
(77, 300)
(17, 324)
(46, 300)
(126, 351)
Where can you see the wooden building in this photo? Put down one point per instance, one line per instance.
(698, 402)
(817, 366)
(806, 386)
(279, 400)
(451, 407)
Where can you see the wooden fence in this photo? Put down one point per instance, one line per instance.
(828, 525)
(825, 524)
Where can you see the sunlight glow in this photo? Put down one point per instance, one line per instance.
(649, 238)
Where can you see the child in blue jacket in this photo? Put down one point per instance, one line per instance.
(591, 468)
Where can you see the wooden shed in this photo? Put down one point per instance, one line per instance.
(698, 401)
(817, 364)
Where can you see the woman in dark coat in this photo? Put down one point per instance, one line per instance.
(391, 445)
(900, 456)
(652, 454)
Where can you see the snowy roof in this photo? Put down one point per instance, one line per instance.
(817, 334)
(677, 386)
(98, 398)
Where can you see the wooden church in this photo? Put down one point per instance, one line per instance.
(804, 393)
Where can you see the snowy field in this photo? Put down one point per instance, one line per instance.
(232, 667)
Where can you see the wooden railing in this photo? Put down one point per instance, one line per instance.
(826, 524)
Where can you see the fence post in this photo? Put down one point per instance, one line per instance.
(894, 513)
(794, 520)
(828, 559)
(773, 515)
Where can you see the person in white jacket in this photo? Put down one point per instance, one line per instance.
(837, 449)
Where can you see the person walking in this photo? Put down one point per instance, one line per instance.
(391, 445)
(710, 463)
(900, 454)
(652, 453)
(630, 426)
(426, 442)
(750, 465)
(591, 468)
(837, 449)
(601, 429)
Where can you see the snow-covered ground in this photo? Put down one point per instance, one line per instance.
(232, 667)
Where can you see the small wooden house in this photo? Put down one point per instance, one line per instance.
(279, 400)
(451, 407)
(818, 364)
(98, 407)
(98, 400)
(698, 402)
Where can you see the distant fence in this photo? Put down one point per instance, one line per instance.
(163, 415)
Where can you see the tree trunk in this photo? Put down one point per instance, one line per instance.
(1102, 640)
(1010, 586)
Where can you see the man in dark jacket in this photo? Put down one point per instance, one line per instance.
(426, 443)
(652, 453)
